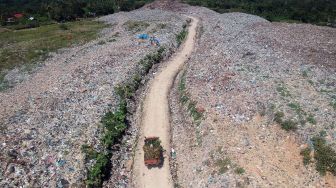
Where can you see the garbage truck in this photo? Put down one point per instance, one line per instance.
(153, 152)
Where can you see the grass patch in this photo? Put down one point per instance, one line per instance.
(311, 119)
(311, 82)
(287, 125)
(306, 155)
(283, 91)
(23, 47)
(333, 102)
(180, 37)
(324, 155)
(115, 123)
(239, 170)
(305, 73)
(278, 117)
(136, 26)
(191, 105)
(296, 107)
(223, 165)
(185, 99)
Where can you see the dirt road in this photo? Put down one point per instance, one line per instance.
(155, 117)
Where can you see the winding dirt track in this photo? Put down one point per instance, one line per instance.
(155, 117)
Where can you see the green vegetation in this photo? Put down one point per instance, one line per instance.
(311, 82)
(223, 165)
(194, 112)
(287, 125)
(333, 102)
(311, 119)
(45, 12)
(306, 155)
(321, 12)
(90, 153)
(278, 117)
(296, 107)
(136, 26)
(324, 155)
(305, 73)
(115, 122)
(97, 173)
(26, 46)
(239, 170)
(283, 91)
(180, 37)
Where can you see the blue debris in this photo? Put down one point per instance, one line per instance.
(143, 36)
(60, 162)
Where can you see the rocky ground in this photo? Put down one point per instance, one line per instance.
(47, 117)
(245, 70)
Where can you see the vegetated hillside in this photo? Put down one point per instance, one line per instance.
(322, 12)
(259, 96)
(61, 10)
(23, 50)
(52, 130)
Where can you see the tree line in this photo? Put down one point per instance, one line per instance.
(321, 12)
(65, 10)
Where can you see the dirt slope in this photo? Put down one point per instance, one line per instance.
(155, 120)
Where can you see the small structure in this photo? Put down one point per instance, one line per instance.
(18, 15)
(10, 20)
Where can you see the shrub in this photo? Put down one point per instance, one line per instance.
(306, 155)
(182, 35)
(278, 117)
(89, 152)
(296, 107)
(97, 173)
(239, 170)
(63, 26)
(283, 91)
(223, 165)
(324, 155)
(333, 102)
(289, 125)
(311, 119)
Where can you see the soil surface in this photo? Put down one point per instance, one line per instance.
(156, 121)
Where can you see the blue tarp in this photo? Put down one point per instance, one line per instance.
(143, 36)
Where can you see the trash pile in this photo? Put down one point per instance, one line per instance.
(47, 118)
(148, 40)
(246, 71)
